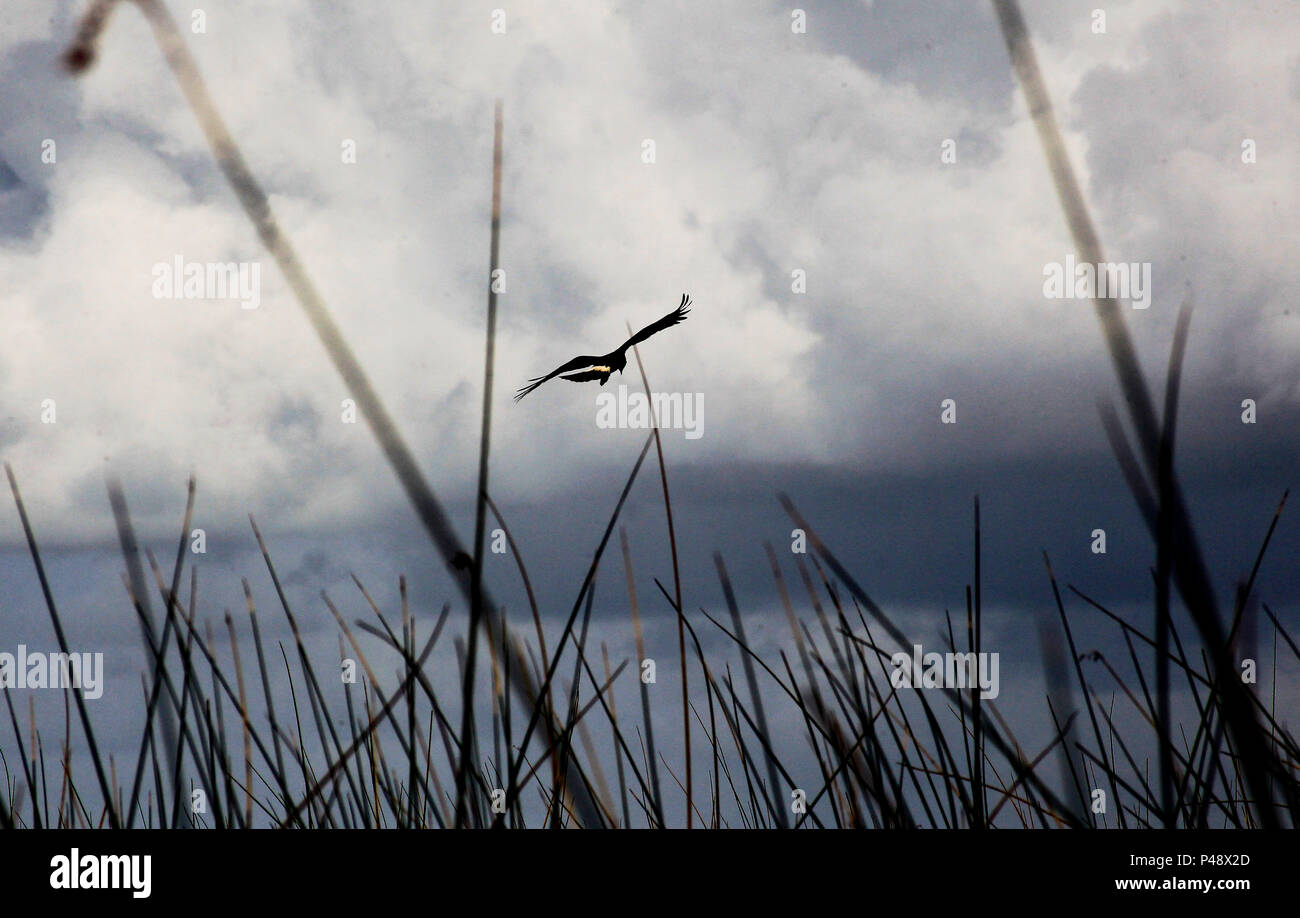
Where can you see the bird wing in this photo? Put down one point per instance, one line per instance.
(587, 375)
(668, 321)
(577, 363)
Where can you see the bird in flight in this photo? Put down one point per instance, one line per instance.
(586, 368)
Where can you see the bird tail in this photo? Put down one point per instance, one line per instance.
(532, 384)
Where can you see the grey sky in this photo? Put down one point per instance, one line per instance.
(775, 151)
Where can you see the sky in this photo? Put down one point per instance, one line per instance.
(846, 280)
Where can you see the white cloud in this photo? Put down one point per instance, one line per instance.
(772, 154)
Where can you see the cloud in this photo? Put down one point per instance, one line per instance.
(774, 152)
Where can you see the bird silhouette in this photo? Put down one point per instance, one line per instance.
(587, 369)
